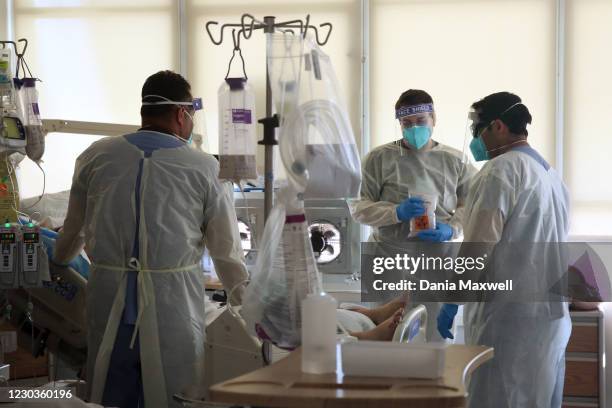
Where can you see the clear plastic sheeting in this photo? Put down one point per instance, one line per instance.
(285, 274)
(318, 151)
(316, 142)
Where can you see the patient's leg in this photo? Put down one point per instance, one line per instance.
(384, 331)
(381, 313)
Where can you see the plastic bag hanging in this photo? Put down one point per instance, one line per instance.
(284, 275)
(316, 141)
(35, 135)
(12, 129)
(237, 126)
(7, 90)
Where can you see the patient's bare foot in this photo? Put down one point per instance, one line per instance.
(384, 331)
(382, 313)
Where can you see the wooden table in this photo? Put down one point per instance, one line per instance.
(213, 284)
(282, 384)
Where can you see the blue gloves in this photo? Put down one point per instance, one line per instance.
(49, 233)
(410, 208)
(445, 320)
(443, 232)
(79, 263)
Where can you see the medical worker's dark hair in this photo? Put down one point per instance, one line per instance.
(169, 85)
(413, 97)
(491, 107)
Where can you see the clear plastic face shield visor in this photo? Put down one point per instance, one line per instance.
(414, 124)
(191, 112)
(475, 150)
(473, 128)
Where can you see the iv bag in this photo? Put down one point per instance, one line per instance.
(316, 141)
(33, 124)
(237, 130)
(7, 97)
(12, 126)
(286, 272)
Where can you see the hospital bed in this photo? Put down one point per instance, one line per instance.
(54, 316)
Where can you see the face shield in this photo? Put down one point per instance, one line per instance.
(474, 144)
(196, 139)
(416, 124)
(474, 149)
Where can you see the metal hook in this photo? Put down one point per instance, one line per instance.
(21, 63)
(4, 43)
(247, 28)
(250, 30)
(210, 34)
(321, 43)
(327, 36)
(25, 47)
(289, 24)
(236, 40)
(306, 29)
(236, 49)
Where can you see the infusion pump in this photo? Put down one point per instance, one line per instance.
(23, 260)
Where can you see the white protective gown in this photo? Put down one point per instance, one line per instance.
(183, 207)
(515, 200)
(390, 173)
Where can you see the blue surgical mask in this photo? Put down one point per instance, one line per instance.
(479, 149)
(417, 136)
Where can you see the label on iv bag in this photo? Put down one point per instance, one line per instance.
(241, 116)
(294, 276)
(5, 76)
(301, 272)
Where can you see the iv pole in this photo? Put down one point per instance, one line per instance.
(270, 122)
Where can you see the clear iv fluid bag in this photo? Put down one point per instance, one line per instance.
(237, 130)
(30, 102)
(35, 147)
(7, 90)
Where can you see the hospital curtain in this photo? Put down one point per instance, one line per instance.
(460, 51)
(588, 112)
